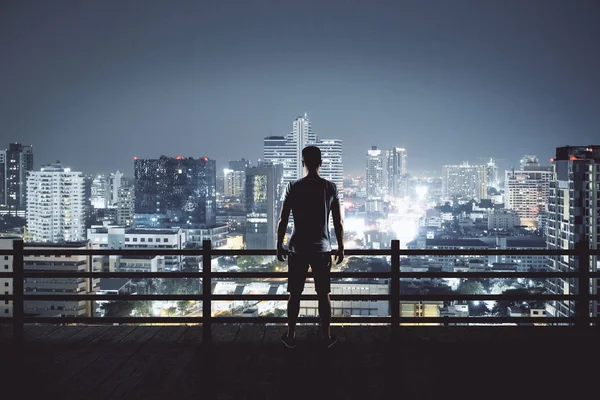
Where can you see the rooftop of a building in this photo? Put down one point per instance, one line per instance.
(113, 283)
(248, 361)
(82, 243)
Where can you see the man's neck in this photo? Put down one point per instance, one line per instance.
(312, 174)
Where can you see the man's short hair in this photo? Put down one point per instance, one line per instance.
(311, 155)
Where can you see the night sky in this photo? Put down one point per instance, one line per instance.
(95, 83)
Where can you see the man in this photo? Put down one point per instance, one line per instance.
(311, 200)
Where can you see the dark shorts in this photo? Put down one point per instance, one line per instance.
(320, 264)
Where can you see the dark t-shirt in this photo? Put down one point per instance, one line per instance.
(310, 200)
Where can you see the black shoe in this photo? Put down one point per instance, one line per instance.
(289, 342)
(331, 341)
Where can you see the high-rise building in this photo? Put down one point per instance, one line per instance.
(100, 192)
(573, 216)
(464, 182)
(239, 165)
(262, 204)
(15, 164)
(302, 135)
(396, 170)
(55, 205)
(125, 206)
(234, 183)
(115, 181)
(175, 192)
(332, 167)
(376, 174)
(526, 191)
(6, 284)
(491, 171)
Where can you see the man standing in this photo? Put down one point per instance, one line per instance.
(311, 200)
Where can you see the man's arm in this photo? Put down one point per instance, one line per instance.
(338, 226)
(282, 224)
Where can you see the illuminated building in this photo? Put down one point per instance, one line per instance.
(6, 265)
(503, 220)
(263, 185)
(74, 286)
(175, 191)
(396, 170)
(464, 182)
(376, 181)
(526, 191)
(55, 205)
(15, 164)
(125, 206)
(100, 192)
(573, 215)
(235, 179)
(491, 171)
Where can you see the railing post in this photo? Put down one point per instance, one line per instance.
(395, 289)
(206, 293)
(18, 291)
(582, 305)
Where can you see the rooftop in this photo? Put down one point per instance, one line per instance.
(248, 361)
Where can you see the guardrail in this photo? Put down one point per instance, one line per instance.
(582, 299)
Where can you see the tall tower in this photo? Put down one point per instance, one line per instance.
(573, 215)
(527, 190)
(175, 191)
(15, 164)
(376, 175)
(301, 135)
(396, 168)
(491, 171)
(55, 205)
(262, 205)
(466, 182)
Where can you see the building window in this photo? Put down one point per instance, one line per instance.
(143, 240)
(127, 239)
(149, 240)
(5, 284)
(165, 240)
(135, 239)
(6, 257)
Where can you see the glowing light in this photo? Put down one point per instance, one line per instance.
(476, 303)
(135, 157)
(179, 158)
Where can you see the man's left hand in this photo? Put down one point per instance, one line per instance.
(281, 253)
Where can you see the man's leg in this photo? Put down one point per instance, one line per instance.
(325, 315)
(293, 309)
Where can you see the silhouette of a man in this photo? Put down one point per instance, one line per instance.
(311, 200)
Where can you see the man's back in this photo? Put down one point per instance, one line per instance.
(311, 201)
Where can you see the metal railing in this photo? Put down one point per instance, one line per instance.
(582, 299)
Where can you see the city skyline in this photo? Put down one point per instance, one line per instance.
(444, 84)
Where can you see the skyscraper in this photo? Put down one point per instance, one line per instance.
(15, 164)
(287, 151)
(262, 204)
(125, 206)
(491, 171)
(573, 216)
(376, 174)
(100, 192)
(235, 178)
(115, 181)
(175, 192)
(526, 191)
(55, 205)
(395, 169)
(465, 182)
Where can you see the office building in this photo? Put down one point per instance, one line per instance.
(175, 192)
(526, 191)
(262, 204)
(503, 220)
(573, 216)
(491, 171)
(125, 206)
(333, 166)
(15, 164)
(72, 286)
(6, 284)
(464, 182)
(235, 179)
(376, 175)
(100, 192)
(115, 181)
(396, 170)
(55, 205)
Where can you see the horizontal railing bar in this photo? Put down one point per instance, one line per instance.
(280, 275)
(349, 252)
(266, 320)
(113, 320)
(7, 252)
(284, 297)
(6, 297)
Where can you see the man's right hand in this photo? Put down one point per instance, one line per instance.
(281, 253)
(339, 255)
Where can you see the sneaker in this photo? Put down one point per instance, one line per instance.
(289, 342)
(331, 341)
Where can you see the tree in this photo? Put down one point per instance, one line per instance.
(183, 306)
(118, 308)
(171, 311)
(470, 287)
(245, 262)
(143, 308)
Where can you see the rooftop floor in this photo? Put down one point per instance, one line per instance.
(249, 362)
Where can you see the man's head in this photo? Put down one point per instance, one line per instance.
(311, 158)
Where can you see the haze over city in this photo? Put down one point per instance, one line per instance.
(94, 84)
